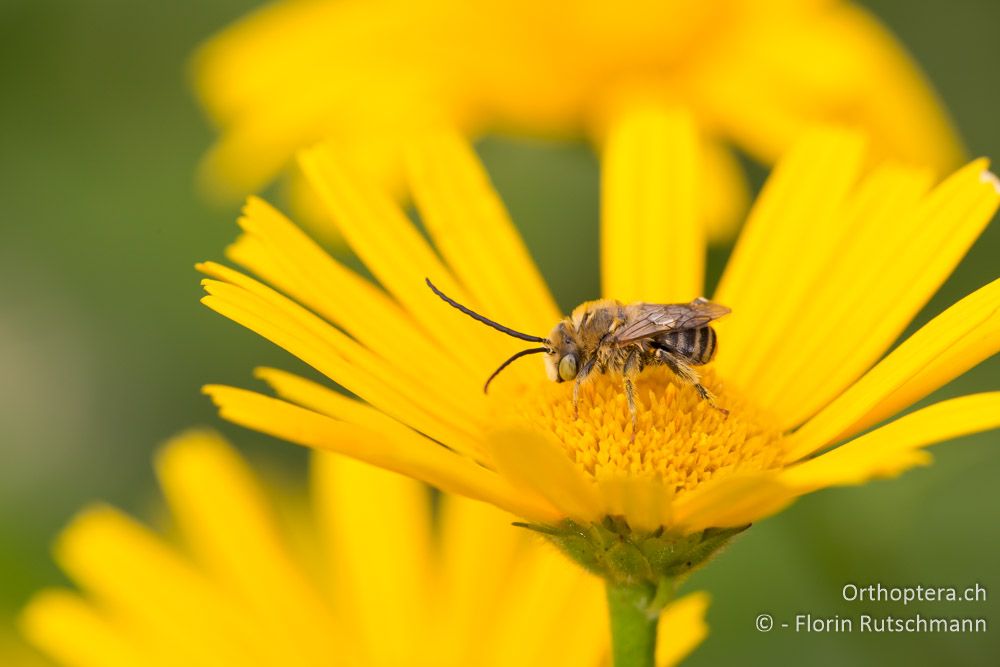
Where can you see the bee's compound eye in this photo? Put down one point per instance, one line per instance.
(567, 367)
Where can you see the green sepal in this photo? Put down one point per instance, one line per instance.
(612, 550)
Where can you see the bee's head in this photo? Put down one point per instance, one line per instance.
(562, 359)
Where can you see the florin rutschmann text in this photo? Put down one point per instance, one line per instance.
(873, 622)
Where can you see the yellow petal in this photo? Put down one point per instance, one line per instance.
(326, 401)
(849, 56)
(499, 581)
(231, 527)
(944, 348)
(531, 460)
(256, 80)
(303, 202)
(276, 318)
(876, 252)
(848, 69)
(134, 573)
(652, 239)
(840, 327)
(399, 257)
(475, 235)
(586, 628)
(894, 277)
(219, 65)
(376, 526)
(780, 253)
(479, 552)
(645, 503)
(283, 255)
(419, 458)
(895, 447)
(239, 163)
(724, 194)
(734, 500)
(547, 597)
(681, 629)
(977, 345)
(74, 633)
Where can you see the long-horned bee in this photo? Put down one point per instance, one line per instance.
(611, 337)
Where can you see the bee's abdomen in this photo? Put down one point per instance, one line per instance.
(696, 345)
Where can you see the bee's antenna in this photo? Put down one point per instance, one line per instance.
(486, 321)
(522, 353)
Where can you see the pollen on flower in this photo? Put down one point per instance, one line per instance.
(681, 438)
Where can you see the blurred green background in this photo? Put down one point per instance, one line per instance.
(103, 345)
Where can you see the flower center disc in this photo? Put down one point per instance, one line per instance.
(681, 439)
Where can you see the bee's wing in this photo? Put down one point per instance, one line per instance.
(657, 318)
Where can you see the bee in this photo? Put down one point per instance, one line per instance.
(607, 336)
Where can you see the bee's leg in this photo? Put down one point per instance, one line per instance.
(630, 395)
(629, 370)
(689, 375)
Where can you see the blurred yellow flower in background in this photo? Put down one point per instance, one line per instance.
(834, 263)
(369, 75)
(364, 578)
(15, 653)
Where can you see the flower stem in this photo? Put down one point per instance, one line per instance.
(633, 626)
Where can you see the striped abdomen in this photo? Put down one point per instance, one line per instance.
(695, 345)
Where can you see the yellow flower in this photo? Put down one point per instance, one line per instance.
(370, 75)
(368, 582)
(834, 262)
(15, 653)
